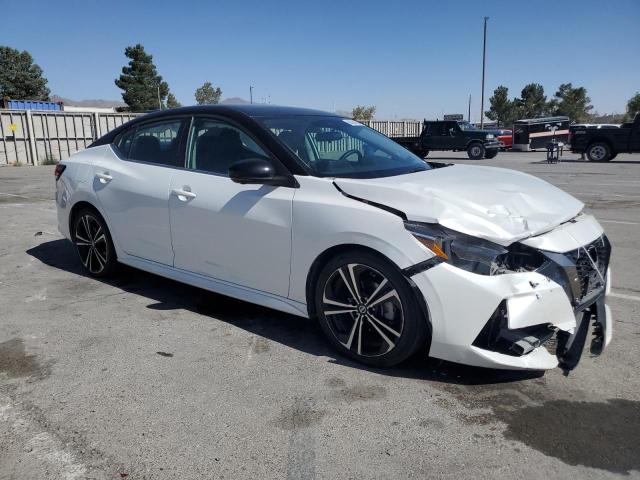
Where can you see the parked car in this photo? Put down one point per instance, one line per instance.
(504, 136)
(452, 135)
(602, 143)
(318, 216)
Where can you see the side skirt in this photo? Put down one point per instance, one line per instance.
(218, 286)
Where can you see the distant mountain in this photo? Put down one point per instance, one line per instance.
(234, 101)
(88, 103)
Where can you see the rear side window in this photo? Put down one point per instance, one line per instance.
(124, 142)
(435, 128)
(157, 143)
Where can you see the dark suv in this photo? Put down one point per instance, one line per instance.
(455, 136)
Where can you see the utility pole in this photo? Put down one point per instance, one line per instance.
(250, 93)
(484, 64)
(469, 112)
(159, 101)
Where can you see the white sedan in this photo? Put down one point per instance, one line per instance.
(320, 216)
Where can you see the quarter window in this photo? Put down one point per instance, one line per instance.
(214, 145)
(124, 141)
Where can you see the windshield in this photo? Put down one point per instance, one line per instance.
(339, 147)
(466, 126)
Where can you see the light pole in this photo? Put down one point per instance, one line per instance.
(484, 64)
(251, 93)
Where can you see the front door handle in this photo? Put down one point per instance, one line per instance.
(184, 194)
(104, 177)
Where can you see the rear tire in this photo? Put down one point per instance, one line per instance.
(476, 151)
(598, 152)
(368, 311)
(491, 153)
(93, 243)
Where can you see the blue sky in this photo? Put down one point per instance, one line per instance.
(411, 59)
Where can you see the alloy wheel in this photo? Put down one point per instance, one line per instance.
(363, 310)
(91, 241)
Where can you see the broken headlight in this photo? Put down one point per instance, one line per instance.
(474, 254)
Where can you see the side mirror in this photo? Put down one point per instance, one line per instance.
(452, 132)
(251, 170)
(258, 171)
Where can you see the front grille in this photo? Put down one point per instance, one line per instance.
(576, 273)
(591, 262)
(552, 344)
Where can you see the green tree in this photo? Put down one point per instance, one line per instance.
(20, 78)
(532, 102)
(143, 89)
(502, 110)
(172, 102)
(633, 106)
(362, 113)
(572, 102)
(207, 95)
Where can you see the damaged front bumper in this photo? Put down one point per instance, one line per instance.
(526, 320)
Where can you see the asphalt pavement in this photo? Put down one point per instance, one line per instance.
(140, 377)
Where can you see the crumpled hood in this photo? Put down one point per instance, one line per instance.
(496, 204)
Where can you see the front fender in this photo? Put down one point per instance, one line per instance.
(324, 218)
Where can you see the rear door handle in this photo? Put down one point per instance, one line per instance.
(104, 177)
(183, 194)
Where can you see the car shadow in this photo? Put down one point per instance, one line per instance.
(294, 332)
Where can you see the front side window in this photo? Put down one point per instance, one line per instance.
(338, 147)
(214, 145)
(451, 128)
(154, 143)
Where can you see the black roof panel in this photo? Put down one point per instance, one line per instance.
(251, 110)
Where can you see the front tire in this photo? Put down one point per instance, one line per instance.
(476, 151)
(599, 152)
(93, 243)
(368, 311)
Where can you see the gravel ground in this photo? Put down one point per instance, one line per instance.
(140, 377)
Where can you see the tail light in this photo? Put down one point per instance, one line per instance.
(58, 171)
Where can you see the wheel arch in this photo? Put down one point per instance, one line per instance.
(325, 256)
(604, 140)
(77, 207)
(472, 141)
(83, 203)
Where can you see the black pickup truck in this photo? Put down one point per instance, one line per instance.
(602, 143)
(452, 135)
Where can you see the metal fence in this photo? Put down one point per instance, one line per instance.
(36, 137)
(396, 129)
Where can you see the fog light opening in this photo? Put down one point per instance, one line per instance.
(497, 337)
